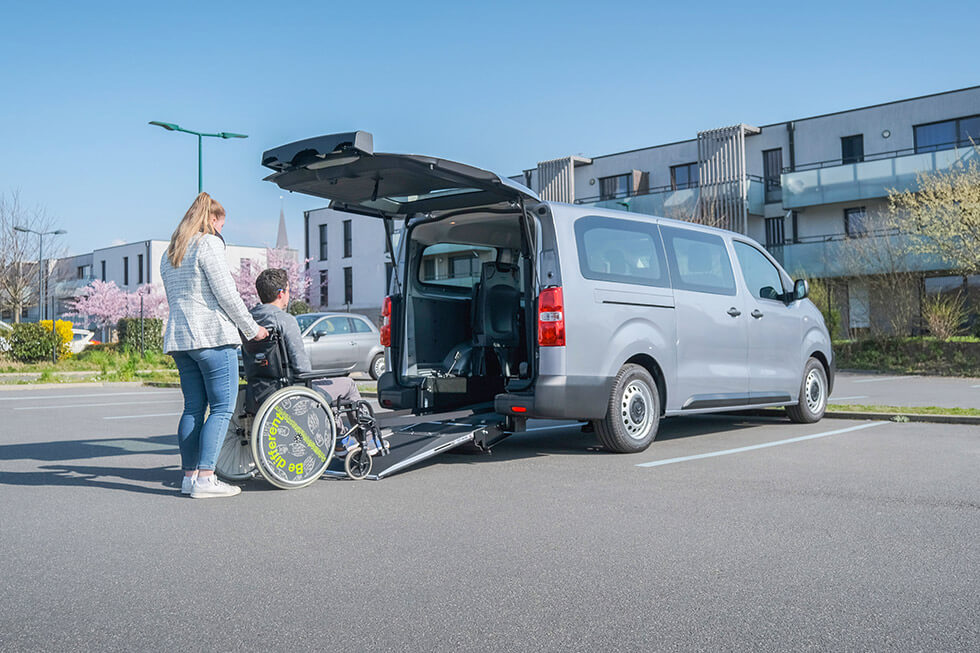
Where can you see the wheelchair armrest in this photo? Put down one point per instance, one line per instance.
(317, 374)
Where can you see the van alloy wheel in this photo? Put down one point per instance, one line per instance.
(633, 412)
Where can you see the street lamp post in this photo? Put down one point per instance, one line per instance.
(41, 303)
(171, 127)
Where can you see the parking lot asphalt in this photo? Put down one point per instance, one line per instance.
(905, 390)
(737, 534)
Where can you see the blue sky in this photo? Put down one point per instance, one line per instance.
(499, 85)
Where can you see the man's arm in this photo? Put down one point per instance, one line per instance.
(299, 361)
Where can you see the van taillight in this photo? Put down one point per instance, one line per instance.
(386, 322)
(551, 318)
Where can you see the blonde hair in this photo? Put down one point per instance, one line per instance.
(197, 220)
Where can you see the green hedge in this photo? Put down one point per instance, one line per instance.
(911, 356)
(129, 333)
(31, 342)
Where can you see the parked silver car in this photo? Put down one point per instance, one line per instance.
(535, 308)
(344, 341)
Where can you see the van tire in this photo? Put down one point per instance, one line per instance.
(633, 414)
(813, 395)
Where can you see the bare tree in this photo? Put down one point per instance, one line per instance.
(18, 253)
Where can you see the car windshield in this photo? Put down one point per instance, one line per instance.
(306, 320)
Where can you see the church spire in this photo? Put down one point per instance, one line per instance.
(282, 240)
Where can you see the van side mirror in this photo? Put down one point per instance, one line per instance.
(801, 289)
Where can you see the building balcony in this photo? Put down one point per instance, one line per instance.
(834, 181)
(676, 203)
(838, 255)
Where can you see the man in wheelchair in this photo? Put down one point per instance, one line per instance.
(272, 286)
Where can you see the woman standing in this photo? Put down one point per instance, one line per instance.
(206, 314)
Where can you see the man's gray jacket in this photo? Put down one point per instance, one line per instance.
(270, 317)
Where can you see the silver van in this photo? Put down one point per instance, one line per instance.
(503, 302)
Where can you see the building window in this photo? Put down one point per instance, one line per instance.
(139, 262)
(464, 266)
(613, 187)
(684, 176)
(772, 169)
(348, 286)
(428, 269)
(324, 293)
(947, 134)
(856, 221)
(323, 242)
(348, 245)
(858, 305)
(103, 270)
(775, 234)
(84, 271)
(852, 149)
(125, 270)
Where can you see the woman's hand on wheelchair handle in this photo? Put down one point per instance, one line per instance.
(262, 334)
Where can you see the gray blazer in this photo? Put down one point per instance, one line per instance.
(205, 307)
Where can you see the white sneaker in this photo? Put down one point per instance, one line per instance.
(209, 487)
(186, 484)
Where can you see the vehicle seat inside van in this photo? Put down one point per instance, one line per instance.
(495, 320)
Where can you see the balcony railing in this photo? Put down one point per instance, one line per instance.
(670, 202)
(838, 255)
(826, 182)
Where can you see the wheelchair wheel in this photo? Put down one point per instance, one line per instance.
(358, 464)
(235, 462)
(293, 437)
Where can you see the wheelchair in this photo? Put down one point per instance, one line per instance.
(285, 431)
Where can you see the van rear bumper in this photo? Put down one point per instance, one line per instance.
(559, 397)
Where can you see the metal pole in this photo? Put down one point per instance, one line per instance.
(40, 277)
(200, 175)
(141, 326)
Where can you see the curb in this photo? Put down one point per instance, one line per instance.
(54, 384)
(971, 420)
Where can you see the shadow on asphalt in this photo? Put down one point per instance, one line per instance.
(94, 448)
(101, 477)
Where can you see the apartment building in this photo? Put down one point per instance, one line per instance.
(808, 188)
(129, 265)
(349, 266)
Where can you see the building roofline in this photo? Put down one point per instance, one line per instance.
(783, 122)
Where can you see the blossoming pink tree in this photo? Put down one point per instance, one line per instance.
(101, 302)
(299, 277)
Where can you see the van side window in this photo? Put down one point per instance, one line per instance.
(761, 276)
(624, 251)
(698, 261)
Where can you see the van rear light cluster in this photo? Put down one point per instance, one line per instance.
(551, 318)
(386, 322)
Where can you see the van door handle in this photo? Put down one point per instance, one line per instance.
(757, 314)
(734, 312)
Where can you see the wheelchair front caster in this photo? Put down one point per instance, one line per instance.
(357, 464)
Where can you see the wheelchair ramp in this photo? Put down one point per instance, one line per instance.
(410, 445)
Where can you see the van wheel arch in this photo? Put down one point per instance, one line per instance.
(653, 367)
(820, 356)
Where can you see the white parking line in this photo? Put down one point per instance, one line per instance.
(887, 378)
(117, 403)
(846, 398)
(975, 386)
(725, 452)
(99, 394)
(141, 416)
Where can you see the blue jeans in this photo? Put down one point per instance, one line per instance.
(207, 377)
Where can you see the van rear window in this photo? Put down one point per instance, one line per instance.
(623, 251)
(699, 261)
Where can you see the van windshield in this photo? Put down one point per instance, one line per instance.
(455, 265)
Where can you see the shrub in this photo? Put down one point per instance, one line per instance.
(31, 342)
(65, 336)
(299, 307)
(944, 315)
(820, 295)
(129, 333)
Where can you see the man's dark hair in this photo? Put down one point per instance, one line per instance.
(270, 282)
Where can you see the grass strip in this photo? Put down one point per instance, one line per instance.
(904, 410)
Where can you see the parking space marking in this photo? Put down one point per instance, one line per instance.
(117, 403)
(846, 398)
(142, 416)
(887, 378)
(975, 386)
(98, 394)
(725, 452)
